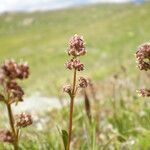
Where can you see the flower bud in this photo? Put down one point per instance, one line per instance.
(23, 120)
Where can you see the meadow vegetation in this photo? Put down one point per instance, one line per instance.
(120, 120)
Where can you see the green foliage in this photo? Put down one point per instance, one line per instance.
(65, 138)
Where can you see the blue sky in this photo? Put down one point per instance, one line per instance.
(31, 5)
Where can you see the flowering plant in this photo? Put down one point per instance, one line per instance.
(11, 93)
(75, 50)
(143, 60)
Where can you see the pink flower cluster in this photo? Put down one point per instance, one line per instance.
(16, 92)
(143, 59)
(6, 136)
(76, 46)
(75, 64)
(23, 120)
(10, 71)
(75, 50)
(143, 56)
(11, 92)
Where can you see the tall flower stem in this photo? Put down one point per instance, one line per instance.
(75, 50)
(11, 121)
(71, 109)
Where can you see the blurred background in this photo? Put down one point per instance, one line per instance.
(38, 31)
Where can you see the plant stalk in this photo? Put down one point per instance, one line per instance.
(71, 109)
(11, 121)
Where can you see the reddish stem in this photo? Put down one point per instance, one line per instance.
(71, 110)
(11, 121)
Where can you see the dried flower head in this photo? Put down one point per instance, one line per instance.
(144, 92)
(76, 46)
(23, 120)
(12, 70)
(75, 64)
(6, 136)
(83, 83)
(143, 56)
(16, 92)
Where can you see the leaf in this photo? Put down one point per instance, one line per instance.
(65, 138)
(121, 138)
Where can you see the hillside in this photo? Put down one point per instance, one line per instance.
(112, 33)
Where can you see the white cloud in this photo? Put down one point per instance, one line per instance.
(12, 5)
(29, 5)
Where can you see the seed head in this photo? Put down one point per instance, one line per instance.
(143, 56)
(6, 136)
(76, 46)
(23, 120)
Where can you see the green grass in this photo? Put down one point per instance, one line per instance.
(121, 127)
(112, 33)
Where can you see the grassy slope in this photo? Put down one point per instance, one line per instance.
(120, 119)
(112, 33)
